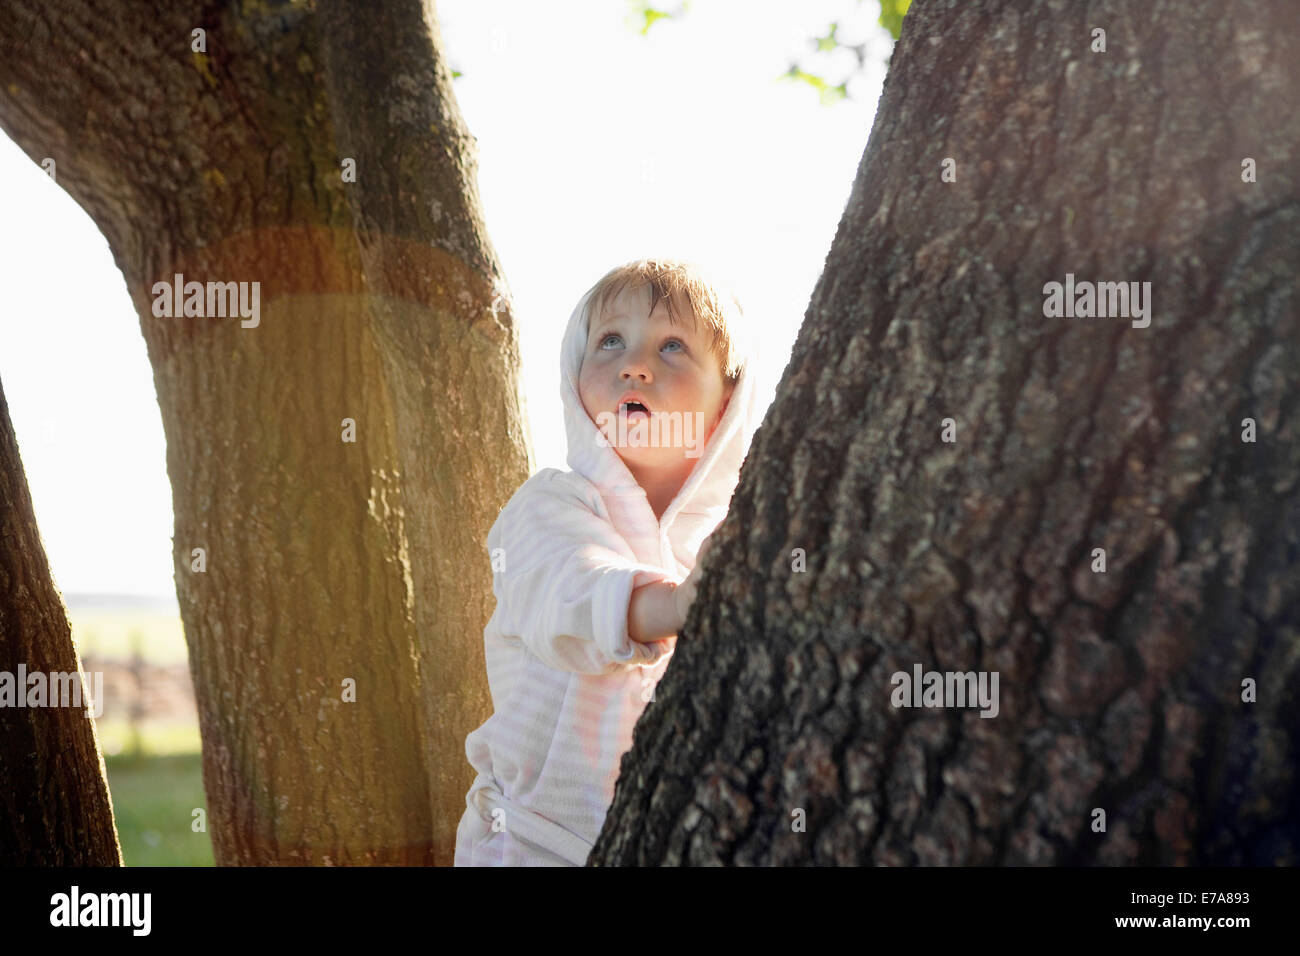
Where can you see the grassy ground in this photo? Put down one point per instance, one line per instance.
(154, 798)
(155, 773)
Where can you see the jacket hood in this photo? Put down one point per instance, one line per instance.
(707, 491)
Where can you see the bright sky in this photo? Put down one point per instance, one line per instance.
(596, 145)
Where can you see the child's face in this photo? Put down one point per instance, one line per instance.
(669, 366)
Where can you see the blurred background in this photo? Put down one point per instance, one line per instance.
(727, 131)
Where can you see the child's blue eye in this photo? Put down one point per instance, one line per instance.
(681, 346)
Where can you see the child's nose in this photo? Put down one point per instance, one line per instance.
(634, 365)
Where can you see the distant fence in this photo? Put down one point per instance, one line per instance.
(136, 690)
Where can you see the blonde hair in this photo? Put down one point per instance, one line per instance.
(686, 290)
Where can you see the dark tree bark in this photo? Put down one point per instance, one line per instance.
(381, 302)
(1120, 691)
(54, 803)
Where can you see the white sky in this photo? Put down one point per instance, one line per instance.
(596, 146)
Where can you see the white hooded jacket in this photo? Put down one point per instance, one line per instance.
(568, 684)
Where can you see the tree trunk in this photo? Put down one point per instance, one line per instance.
(56, 809)
(774, 738)
(326, 560)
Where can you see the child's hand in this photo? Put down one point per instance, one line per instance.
(684, 594)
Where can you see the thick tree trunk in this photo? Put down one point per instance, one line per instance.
(54, 803)
(326, 559)
(774, 738)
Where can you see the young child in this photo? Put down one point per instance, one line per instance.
(594, 567)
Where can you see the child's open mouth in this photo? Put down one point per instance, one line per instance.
(632, 408)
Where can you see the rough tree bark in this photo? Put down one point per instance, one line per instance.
(54, 804)
(381, 302)
(1119, 690)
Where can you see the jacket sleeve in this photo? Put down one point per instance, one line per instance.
(563, 578)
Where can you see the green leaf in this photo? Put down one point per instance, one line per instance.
(651, 17)
(826, 93)
(828, 42)
(891, 15)
(833, 94)
(812, 79)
